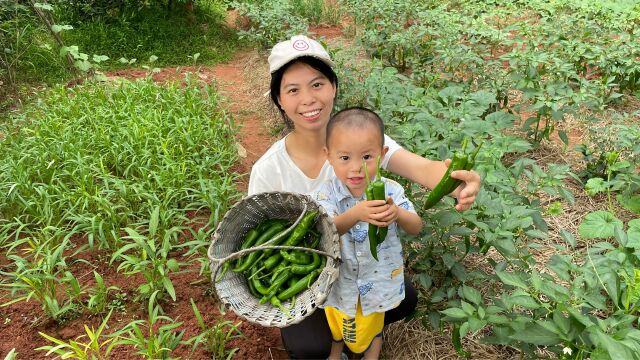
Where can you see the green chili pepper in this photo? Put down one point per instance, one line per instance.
(274, 230)
(280, 280)
(301, 229)
(275, 302)
(224, 270)
(296, 257)
(283, 264)
(272, 261)
(472, 159)
(292, 280)
(379, 193)
(305, 269)
(373, 230)
(300, 285)
(448, 184)
(253, 290)
(257, 284)
(249, 239)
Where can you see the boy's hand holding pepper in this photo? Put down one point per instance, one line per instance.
(370, 211)
(388, 216)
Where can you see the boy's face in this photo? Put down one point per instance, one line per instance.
(348, 148)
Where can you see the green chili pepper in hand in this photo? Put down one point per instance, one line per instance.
(448, 184)
(373, 230)
(380, 194)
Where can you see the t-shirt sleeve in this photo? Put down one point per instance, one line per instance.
(393, 147)
(259, 182)
(324, 196)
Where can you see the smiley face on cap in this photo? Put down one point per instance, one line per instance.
(300, 45)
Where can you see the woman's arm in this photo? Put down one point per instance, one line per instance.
(428, 173)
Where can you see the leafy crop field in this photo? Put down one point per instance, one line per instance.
(109, 191)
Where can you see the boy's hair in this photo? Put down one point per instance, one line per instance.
(355, 117)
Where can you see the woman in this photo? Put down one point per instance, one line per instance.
(304, 87)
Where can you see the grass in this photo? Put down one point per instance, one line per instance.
(95, 159)
(172, 36)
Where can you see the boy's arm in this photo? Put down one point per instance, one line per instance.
(345, 221)
(409, 221)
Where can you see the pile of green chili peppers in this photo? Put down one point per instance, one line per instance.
(277, 275)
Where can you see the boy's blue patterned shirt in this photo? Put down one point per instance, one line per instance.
(380, 284)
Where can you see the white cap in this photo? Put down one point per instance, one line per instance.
(299, 45)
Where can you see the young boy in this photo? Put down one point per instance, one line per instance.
(366, 288)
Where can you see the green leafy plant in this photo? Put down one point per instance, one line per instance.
(317, 12)
(157, 342)
(149, 255)
(96, 347)
(214, 338)
(98, 301)
(39, 278)
(270, 21)
(85, 171)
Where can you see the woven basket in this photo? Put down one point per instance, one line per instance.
(233, 290)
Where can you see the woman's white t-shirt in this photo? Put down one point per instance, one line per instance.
(275, 171)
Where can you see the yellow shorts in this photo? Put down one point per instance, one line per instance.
(358, 332)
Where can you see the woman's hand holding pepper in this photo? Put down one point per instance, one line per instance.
(466, 193)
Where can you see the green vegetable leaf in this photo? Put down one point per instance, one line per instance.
(631, 203)
(472, 294)
(168, 285)
(512, 279)
(568, 237)
(598, 225)
(595, 186)
(563, 136)
(455, 313)
(100, 58)
(633, 234)
(537, 335)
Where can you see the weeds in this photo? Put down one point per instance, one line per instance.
(215, 338)
(97, 347)
(159, 341)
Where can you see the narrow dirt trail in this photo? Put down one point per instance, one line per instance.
(254, 136)
(254, 140)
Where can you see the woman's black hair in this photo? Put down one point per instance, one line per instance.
(276, 80)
